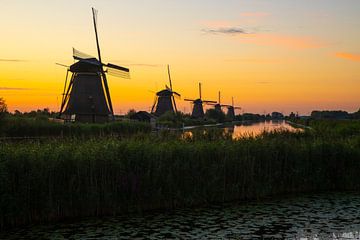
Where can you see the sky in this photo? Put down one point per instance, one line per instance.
(270, 55)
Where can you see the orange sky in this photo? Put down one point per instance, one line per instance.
(271, 56)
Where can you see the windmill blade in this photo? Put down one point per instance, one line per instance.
(208, 101)
(168, 67)
(62, 65)
(94, 12)
(118, 73)
(120, 68)
(177, 95)
(153, 106)
(77, 55)
(189, 100)
(174, 103)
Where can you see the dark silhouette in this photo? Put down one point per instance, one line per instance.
(330, 115)
(85, 99)
(165, 100)
(3, 108)
(198, 109)
(230, 115)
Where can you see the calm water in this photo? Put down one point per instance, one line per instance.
(324, 216)
(252, 128)
(259, 127)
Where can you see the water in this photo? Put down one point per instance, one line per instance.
(322, 216)
(258, 128)
(252, 128)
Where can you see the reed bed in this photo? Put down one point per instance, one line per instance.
(68, 178)
(31, 127)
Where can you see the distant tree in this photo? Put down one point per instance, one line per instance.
(3, 108)
(130, 113)
(356, 115)
(216, 115)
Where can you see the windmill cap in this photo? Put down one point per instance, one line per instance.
(86, 65)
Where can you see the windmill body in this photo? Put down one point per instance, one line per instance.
(230, 113)
(231, 110)
(198, 108)
(86, 97)
(86, 100)
(165, 100)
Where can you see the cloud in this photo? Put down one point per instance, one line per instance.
(348, 56)
(14, 89)
(225, 30)
(12, 60)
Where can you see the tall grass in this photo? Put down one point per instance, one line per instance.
(31, 127)
(59, 179)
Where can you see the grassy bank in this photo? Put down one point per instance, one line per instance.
(58, 179)
(32, 127)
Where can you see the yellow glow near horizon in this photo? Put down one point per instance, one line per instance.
(271, 69)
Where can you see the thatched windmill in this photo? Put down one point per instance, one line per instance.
(198, 109)
(231, 110)
(165, 99)
(86, 98)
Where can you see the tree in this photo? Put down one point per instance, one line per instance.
(3, 108)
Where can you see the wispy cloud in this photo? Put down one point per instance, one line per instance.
(14, 89)
(268, 39)
(348, 56)
(225, 30)
(12, 60)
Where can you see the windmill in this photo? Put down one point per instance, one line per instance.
(165, 99)
(218, 105)
(231, 110)
(198, 110)
(86, 97)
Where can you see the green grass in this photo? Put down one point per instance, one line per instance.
(67, 178)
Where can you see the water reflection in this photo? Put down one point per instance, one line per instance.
(255, 129)
(245, 129)
(325, 216)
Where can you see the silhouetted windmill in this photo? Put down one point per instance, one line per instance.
(86, 98)
(198, 109)
(165, 99)
(218, 106)
(231, 110)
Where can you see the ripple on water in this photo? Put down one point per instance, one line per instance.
(324, 216)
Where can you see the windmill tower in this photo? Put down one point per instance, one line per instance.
(198, 109)
(218, 105)
(165, 99)
(231, 110)
(86, 98)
